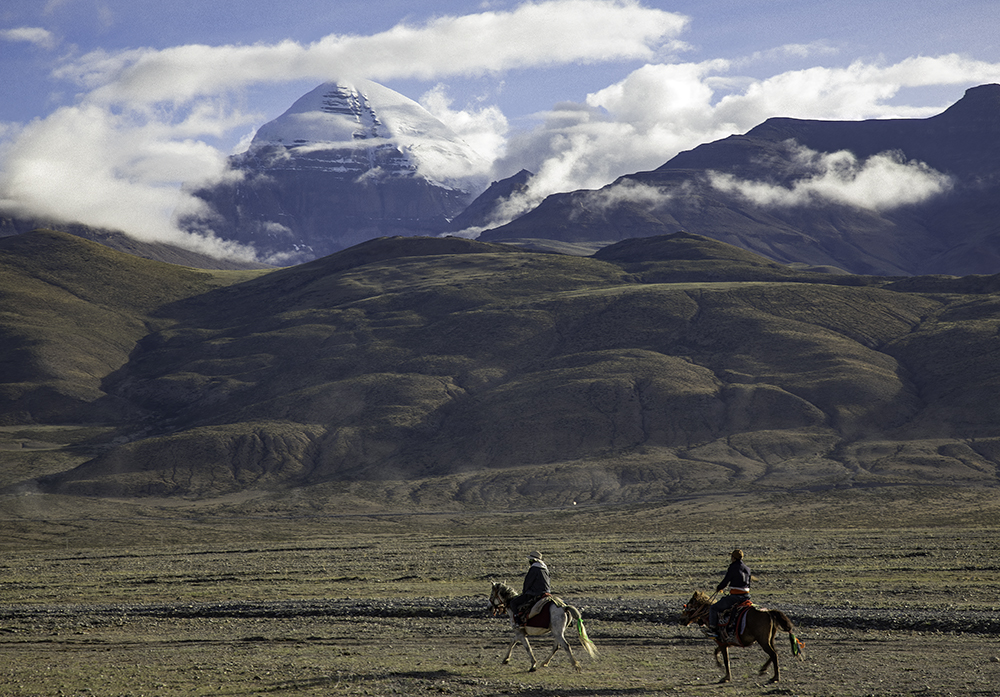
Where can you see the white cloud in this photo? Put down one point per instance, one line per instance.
(632, 192)
(42, 38)
(882, 182)
(861, 90)
(484, 129)
(634, 125)
(83, 164)
(815, 48)
(533, 34)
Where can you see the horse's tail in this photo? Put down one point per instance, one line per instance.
(588, 645)
(785, 625)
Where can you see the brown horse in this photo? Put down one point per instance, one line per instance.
(761, 626)
(560, 616)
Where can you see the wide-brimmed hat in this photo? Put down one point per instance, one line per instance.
(535, 556)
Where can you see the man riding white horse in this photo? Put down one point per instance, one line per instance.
(554, 616)
(536, 585)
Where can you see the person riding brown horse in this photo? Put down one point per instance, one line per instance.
(738, 579)
(760, 627)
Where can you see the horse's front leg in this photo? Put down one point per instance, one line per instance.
(510, 651)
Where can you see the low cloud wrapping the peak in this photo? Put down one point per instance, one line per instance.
(632, 192)
(484, 128)
(881, 182)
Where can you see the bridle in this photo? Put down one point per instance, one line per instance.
(694, 614)
(498, 603)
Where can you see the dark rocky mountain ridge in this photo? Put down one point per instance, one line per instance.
(963, 140)
(481, 212)
(954, 232)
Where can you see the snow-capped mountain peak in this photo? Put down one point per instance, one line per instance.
(357, 127)
(348, 161)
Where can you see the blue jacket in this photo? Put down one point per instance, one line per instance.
(737, 576)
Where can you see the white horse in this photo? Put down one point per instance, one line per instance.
(560, 615)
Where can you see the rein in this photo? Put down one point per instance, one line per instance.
(499, 606)
(696, 613)
(498, 602)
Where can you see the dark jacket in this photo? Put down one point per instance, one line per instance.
(536, 581)
(737, 576)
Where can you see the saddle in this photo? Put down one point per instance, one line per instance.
(537, 614)
(732, 622)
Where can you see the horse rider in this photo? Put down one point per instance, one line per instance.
(536, 584)
(738, 579)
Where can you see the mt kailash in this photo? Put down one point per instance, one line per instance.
(349, 161)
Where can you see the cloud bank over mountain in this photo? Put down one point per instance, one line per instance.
(147, 120)
(881, 182)
(659, 110)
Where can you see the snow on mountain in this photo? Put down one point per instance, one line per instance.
(348, 162)
(361, 127)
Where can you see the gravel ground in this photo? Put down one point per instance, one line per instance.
(426, 647)
(631, 611)
(883, 613)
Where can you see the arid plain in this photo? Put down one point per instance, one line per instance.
(892, 594)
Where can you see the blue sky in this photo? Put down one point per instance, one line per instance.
(108, 106)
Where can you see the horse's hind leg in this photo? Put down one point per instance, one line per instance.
(772, 658)
(725, 660)
(572, 657)
(560, 642)
(555, 648)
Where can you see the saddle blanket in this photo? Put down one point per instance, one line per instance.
(538, 615)
(733, 622)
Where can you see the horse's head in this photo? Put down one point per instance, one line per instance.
(696, 609)
(500, 597)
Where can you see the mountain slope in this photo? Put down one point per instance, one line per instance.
(72, 313)
(891, 197)
(157, 251)
(513, 378)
